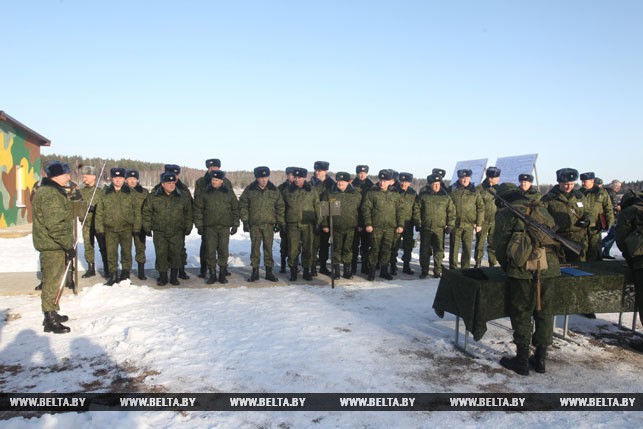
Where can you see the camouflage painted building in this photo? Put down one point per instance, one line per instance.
(19, 168)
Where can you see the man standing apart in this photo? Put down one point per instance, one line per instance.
(485, 189)
(262, 212)
(139, 193)
(469, 208)
(382, 219)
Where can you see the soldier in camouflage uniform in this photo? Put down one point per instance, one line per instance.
(522, 283)
(527, 188)
(140, 194)
(283, 233)
(211, 164)
(569, 209)
(216, 215)
(262, 212)
(344, 224)
(404, 240)
(382, 219)
(361, 243)
(322, 183)
(90, 190)
(441, 172)
(600, 212)
(169, 216)
(629, 239)
(302, 220)
(485, 189)
(118, 217)
(52, 237)
(185, 193)
(434, 216)
(469, 208)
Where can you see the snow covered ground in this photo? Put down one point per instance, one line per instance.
(359, 337)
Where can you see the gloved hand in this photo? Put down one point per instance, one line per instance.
(582, 223)
(276, 228)
(246, 227)
(148, 233)
(233, 230)
(448, 230)
(70, 254)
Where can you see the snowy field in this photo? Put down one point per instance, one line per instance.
(360, 337)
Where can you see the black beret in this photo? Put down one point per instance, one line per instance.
(386, 174)
(565, 175)
(217, 174)
(57, 168)
(289, 170)
(342, 175)
(117, 172)
(587, 176)
(493, 172)
(173, 168)
(321, 165)
(88, 170)
(168, 176)
(132, 173)
(406, 177)
(440, 172)
(262, 172)
(526, 178)
(299, 172)
(432, 178)
(361, 168)
(464, 173)
(212, 163)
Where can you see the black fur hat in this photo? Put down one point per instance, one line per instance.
(217, 174)
(406, 177)
(321, 165)
(565, 175)
(465, 172)
(386, 174)
(526, 178)
(361, 168)
(213, 162)
(299, 172)
(173, 168)
(588, 176)
(342, 175)
(262, 172)
(117, 172)
(493, 172)
(168, 176)
(132, 173)
(440, 172)
(57, 168)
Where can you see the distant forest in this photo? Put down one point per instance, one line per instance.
(150, 172)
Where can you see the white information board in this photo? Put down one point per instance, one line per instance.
(477, 167)
(512, 166)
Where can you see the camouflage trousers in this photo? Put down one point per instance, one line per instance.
(382, 241)
(300, 236)
(123, 239)
(594, 246)
(464, 236)
(261, 234)
(343, 246)
(217, 240)
(89, 234)
(361, 245)
(404, 241)
(139, 247)
(431, 243)
(321, 246)
(485, 234)
(167, 248)
(522, 307)
(53, 266)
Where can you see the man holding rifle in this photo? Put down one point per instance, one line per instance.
(52, 237)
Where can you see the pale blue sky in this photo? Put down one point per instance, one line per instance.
(409, 85)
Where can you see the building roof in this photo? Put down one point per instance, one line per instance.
(31, 135)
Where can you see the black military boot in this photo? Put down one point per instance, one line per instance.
(254, 276)
(282, 269)
(519, 363)
(59, 317)
(393, 270)
(371, 273)
(308, 276)
(91, 270)
(141, 271)
(203, 271)
(124, 275)
(348, 271)
(537, 360)
(270, 276)
(407, 269)
(354, 267)
(424, 274)
(52, 324)
(336, 274)
(212, 275)
(113, 278)
(174, 272)
(293, 274)
(222, 275)
(324, 270)
(182, 274)
(385, 274)
(162, 280)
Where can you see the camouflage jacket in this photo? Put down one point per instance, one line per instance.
(216, 208)
(485, 189)
(262, 206)
(167, 213)
(350, 201)
(469, 205)
(407, 200)
(302, 204)
(381, 209)
(434, 210)
(53, 221)
(567, 210)
(117, 211)
(598, 202)
(202, 182)
(630, 226)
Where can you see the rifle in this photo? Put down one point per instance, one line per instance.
(530, 222)
(89, 205)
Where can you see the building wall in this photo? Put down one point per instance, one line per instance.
(19, 171)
